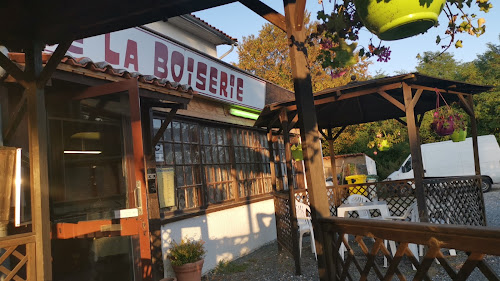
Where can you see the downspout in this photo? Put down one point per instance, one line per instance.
(230, 50)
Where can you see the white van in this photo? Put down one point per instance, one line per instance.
(448, 159)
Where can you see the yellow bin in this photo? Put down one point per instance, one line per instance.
(355, 179)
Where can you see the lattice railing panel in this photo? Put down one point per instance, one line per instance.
(283, 222)
(17, 257)
(455, 200)
(477, 248)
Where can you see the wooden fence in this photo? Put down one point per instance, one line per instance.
(472, 245)
(17, 257)
(453, 200)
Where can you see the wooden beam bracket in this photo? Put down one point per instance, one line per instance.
(392, 100)
(164, 126)
(53, 62)
(13, 70)
(266, 12)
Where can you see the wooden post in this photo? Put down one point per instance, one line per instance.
(336, 194)
(311, 144)
(272, 159)
(37, 132)
(473, 128)
(416, 153)
(291, 190)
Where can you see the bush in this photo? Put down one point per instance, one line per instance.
(188, 251)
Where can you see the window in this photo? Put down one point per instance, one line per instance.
(210, 164)
(252, 162)
(216, 164)
(407, 166)
(179, 148)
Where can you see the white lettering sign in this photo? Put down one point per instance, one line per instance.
(138, 50)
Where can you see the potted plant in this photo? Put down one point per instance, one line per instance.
(398, 19)
(443, 123)
(460, 132)
(187, 259)
(297, 154)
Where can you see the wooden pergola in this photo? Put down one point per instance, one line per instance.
(407, 96)
(29, 25)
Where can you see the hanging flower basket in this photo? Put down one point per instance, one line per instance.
(443, 124)
(447, 121)
(398, 19)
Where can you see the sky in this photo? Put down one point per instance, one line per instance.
(238, 21)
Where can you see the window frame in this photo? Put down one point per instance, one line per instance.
(231, 180)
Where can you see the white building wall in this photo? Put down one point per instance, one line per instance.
(184, 37)
(228, 234)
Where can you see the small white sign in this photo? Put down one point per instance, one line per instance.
(126, 213)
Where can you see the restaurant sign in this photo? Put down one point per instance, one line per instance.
(138, 50)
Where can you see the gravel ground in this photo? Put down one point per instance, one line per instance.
(267, 264)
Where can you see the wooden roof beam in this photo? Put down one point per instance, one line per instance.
(266, 12)
(465, 105)
(319, 100)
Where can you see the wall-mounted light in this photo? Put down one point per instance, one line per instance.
(17, 184)
(82, 152)
(243, 113)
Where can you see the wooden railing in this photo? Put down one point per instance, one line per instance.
(363, 258)
(17, 257)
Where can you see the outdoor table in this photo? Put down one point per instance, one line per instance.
(344, 209)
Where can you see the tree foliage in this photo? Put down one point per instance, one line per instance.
(266, 56)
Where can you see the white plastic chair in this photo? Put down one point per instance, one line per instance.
(412, 213)
(305, 225)
(356, 198)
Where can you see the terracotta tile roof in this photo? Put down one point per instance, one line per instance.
(104, 67)
(215, 28)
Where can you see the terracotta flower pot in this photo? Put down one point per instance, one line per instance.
(398, 19)
(189, 271)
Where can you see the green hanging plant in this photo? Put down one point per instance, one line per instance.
(297, 154)
(384, 141)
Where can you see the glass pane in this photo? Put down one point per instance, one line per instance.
(197, 175)
(206, 136)
(187, 153)
(220, 140)
(188, 170)
(169, 155)
(222, 154)
(215, 154)
(168, 133)
(178, 154)
(195, 154)
(176, 131)
(185, 132)
(156, 126)
(208, 153)
(179, 176)
(193, 133)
